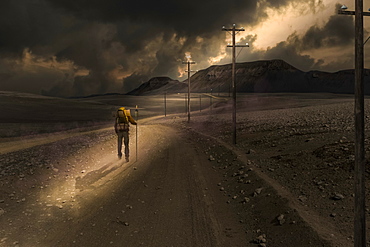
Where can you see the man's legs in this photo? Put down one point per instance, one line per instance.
(120, 136)
(126, 140)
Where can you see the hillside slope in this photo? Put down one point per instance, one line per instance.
(266, 76)
(158, 85)
(273, 76)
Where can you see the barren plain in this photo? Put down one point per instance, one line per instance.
(287, 182)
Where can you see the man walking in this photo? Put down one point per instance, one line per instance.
(122, 127)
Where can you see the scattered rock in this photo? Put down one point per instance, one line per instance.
(261, 239)
(337, 197)
(245, 200)
(2, 211)
(281, 219)
(257, 191)
(211, 158)
(302, 198)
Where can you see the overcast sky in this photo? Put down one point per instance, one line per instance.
(80, 47)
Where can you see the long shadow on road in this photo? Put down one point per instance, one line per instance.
(88, 180)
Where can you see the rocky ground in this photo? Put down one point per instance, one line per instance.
(287, 182)
(308, 151)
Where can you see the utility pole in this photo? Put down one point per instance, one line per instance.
(360, 204)
(186, 105)
(137, 119)
(200, 102)
(210, 101)
(233, 31)
(189, 71)
(165, 104)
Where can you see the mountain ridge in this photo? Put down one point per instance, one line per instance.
(162, 83)
(263, 76)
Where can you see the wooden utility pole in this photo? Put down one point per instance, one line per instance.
(210, 100)
(189, 71)
(360, 222)
(137, 119)
(200, 103)
(234, 31)
(165, 104)
(359, 218)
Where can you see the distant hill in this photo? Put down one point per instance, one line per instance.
(272, 76)
(96, 95)
(267, 76)
(259, 76)
(158, 85)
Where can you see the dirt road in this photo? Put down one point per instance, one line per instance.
(166, 198)
(75, 192)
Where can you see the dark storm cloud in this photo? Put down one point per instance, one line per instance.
(90, 47)
(134, 40)
(337, 32)
(25, 24)
(289, 53)
(294, 50)
(140, 21)
(190, 16)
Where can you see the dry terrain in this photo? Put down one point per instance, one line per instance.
(287, 182)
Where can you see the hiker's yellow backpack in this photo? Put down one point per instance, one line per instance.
(122, 120)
